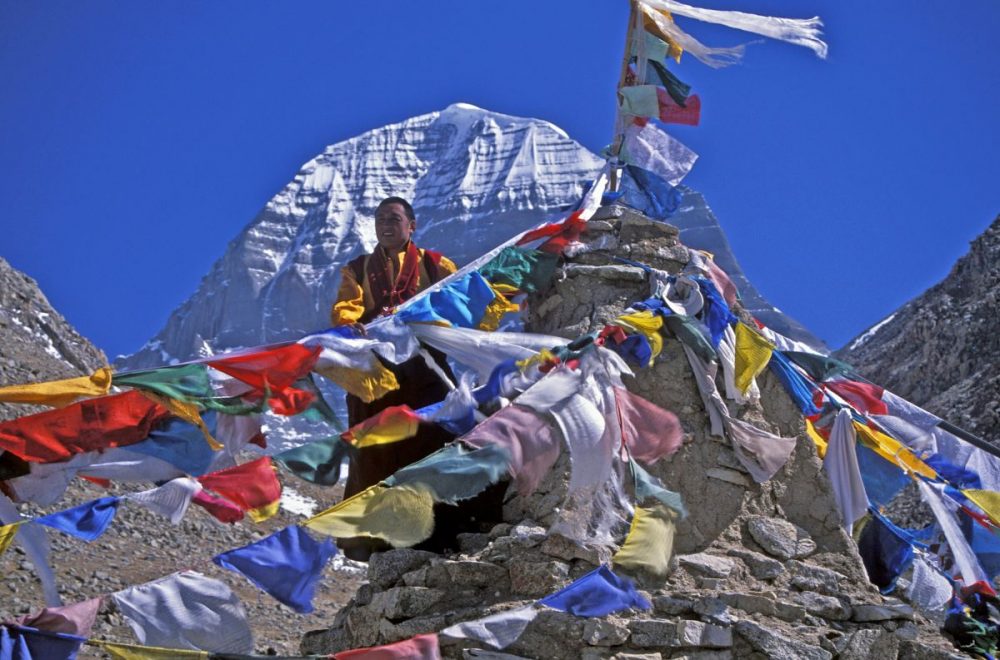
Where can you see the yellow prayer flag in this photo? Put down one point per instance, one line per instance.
(675, 49)
(391, 425)
(987, 500)
(59, 393)
(650, 541)
(187, 411)
(365, 385)
(495, 310)
(648, 325)
(753, 352)
(893, 450)
(539, 358)
(136, 652)
(7, 534)
(817, 438)
(402, 516)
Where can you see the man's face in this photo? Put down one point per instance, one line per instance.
(392, 227)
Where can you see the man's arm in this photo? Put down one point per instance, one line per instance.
(446, 267)
(350, 305)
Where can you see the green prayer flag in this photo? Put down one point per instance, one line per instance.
(317, 462)
(524, 269)
(455, 473)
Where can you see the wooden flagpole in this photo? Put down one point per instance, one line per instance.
(619, 136)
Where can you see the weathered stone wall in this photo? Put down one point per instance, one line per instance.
(760, 570)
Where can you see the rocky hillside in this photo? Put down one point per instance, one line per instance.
(941, 350)
(760, 569)
(36, 342)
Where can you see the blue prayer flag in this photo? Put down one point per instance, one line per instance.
(797, 385)
(597, 593)
(882, 479)
(181, 444)
(461, 303)
(648, 193)
(716, 312)
(87, 521)
(24, 643)
(886, 551)
(287, 565)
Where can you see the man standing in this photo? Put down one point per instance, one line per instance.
(373, 285)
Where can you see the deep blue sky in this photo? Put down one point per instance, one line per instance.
(137, 138)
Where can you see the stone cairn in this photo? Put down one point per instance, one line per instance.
(759, 570)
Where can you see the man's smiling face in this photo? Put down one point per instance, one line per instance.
(392, 227)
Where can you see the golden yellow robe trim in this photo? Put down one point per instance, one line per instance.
(59, 393)
(646, 323)
(893, 451)
(187, 411)
(365, 385)
(650, 541)
(401, 515)
(7, 534)
(136, 652)
(753, 352)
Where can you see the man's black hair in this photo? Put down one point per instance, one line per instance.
(402, 202)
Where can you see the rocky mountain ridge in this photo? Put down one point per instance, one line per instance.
(941, 350)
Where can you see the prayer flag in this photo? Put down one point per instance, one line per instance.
(648, 487)
(597, 593)
(864, 397)
(522, 269)
(648, 193)
(401, 516)
(753, 351)
(220, 509)
(75, 619)
(7, 534)
(886, 551)
(639, 101)
(59, 393)
(559, 234)
(455, 472)
(273, 372)
(883, 480)
(137, 652)
(181, 444)
(421, 647)
(760, 452)
(798, 387)
(646, 323)
(529, 441)
(86, 521)
(658, 73)
(634, 348)
(317, 462)
(91, 425)
(391, 425)
(187, 382)
(648, 431)
(893, 451)
(171, 500)
(497, 630)
(23, 643)
(287, 565)
(368, 385)
(841, 465)
(819, 367)
(496, 310)
(650, 541)
(653, 149)
(987, 500)
(670, 112)
(253, 487)
(462, 303)
(186, 611)
(189, 412)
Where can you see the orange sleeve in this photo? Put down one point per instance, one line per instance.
(447, 266)
(350, 305)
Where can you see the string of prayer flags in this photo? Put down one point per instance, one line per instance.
(455, 472)
(597, 593)
(7, 534)
(421, 647)
(253, 487)
(401, 516)
(74, 619)
(648, 431)
(526, 438)
(317, 462)
(287, 565)
(394, 424)
(462, 303)
(24, 643)
(186, 610)
(90, 425)
(497, 630)
(59, 393)
(674, 51)
(753, 352)
(272, 373)
(87, 521)
(171, 500)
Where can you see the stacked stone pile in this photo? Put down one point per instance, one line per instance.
(760, 570)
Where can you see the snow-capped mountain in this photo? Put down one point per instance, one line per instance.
(475, 178)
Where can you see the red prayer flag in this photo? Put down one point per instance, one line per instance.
(672, 113)
(421, 647)
(649, 431)
(274, 371)
(249, 486)
(221, 510)
(91, 425)
(560, 234)
(864, 397)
